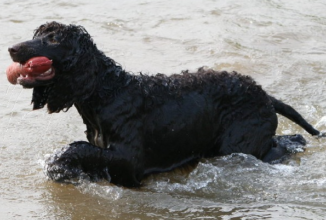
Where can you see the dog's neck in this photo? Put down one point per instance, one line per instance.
(110, 80)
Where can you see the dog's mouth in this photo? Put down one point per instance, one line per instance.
(34, 71)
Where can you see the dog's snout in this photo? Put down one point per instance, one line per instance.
(14, 49)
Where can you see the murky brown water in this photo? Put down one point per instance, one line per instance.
(281, 44)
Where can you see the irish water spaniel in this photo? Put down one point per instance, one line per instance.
(142, 124)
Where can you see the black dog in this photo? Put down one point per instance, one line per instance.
(141, 124)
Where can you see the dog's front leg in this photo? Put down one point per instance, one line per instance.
(84, 160)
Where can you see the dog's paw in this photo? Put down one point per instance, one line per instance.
(70, 164)
(63, 170)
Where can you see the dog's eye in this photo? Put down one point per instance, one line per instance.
(52, 39)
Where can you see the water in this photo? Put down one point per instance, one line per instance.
(279, 43)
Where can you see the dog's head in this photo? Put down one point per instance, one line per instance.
(58, 63)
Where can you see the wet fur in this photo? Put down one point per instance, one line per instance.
(142, 124)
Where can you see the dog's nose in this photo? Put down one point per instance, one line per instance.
(13, 49)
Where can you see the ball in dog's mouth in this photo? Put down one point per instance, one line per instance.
(36, 68)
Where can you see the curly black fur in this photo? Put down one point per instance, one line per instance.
(141, 124)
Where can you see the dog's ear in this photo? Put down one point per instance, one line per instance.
(83, 50)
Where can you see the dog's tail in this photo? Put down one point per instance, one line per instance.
(290, 113)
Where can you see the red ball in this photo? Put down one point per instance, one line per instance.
(37, 65)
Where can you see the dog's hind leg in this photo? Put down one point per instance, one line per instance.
(248, 136)
(283, 147)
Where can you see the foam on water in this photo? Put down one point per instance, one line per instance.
(107, 191)
(227, 178)
(235, 179)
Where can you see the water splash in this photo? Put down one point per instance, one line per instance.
(82, 183)
(108, 192)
